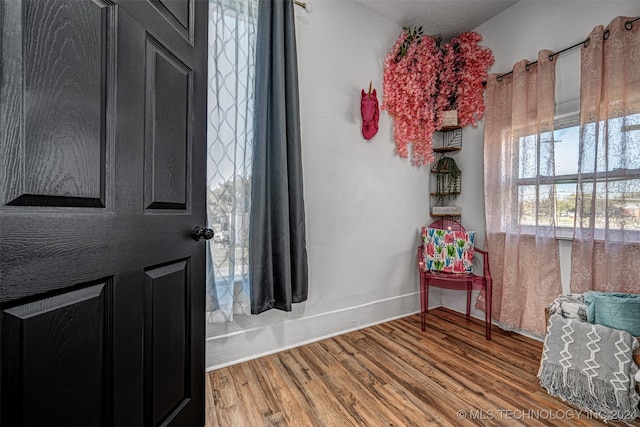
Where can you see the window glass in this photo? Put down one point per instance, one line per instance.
(609, 189)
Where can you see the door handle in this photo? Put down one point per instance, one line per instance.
(202, 233)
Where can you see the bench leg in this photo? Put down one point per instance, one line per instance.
(425, 309)
(469, 287)
(488, 297)
(424, 301)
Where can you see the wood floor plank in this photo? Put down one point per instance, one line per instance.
(266, 402)
(246, 397)
(350, 396)
(393, 374)
(367, 399)
(412, 408)
(210, 412)
(407, 413)
(229, 406)
(284, 390)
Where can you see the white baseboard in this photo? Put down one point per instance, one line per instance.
(262, 340)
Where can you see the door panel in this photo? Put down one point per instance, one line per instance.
(54, 154)
(179, 9)
(179, 13)
(50, 340)
(167, 344)
(102, 164)
(167, 137)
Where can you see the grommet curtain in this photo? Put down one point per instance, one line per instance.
(605, 251)
(277, 238)
(520, 194)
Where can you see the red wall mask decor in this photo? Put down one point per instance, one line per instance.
(370, 113)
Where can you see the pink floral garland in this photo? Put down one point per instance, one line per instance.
(469, 73)
(421, 80)
(409, 81)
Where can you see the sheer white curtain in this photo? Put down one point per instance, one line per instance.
(232, 39)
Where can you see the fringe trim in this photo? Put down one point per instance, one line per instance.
(604, 401)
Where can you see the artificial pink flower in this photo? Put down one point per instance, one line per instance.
(466, 68)
(408, 84)
(421, 80)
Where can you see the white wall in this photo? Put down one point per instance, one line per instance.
(363, 203)
(519, 33)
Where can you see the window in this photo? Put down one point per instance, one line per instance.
(232, 37)
(550, 172)
(230, 132)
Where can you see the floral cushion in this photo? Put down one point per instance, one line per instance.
(448, 251)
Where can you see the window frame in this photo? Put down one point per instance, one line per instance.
(564, 232)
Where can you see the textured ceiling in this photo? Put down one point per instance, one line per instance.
(445, 18)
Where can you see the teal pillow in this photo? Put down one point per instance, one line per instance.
(615, 310)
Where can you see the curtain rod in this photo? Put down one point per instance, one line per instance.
(627, 25)
(308, 7)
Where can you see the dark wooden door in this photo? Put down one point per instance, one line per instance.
(102, 166)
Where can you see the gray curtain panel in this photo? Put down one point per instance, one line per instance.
(277, 239)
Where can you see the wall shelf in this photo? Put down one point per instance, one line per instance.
(446, 149)
(447, 140)
(445, 193)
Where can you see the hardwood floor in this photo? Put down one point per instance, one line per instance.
(392, 374)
